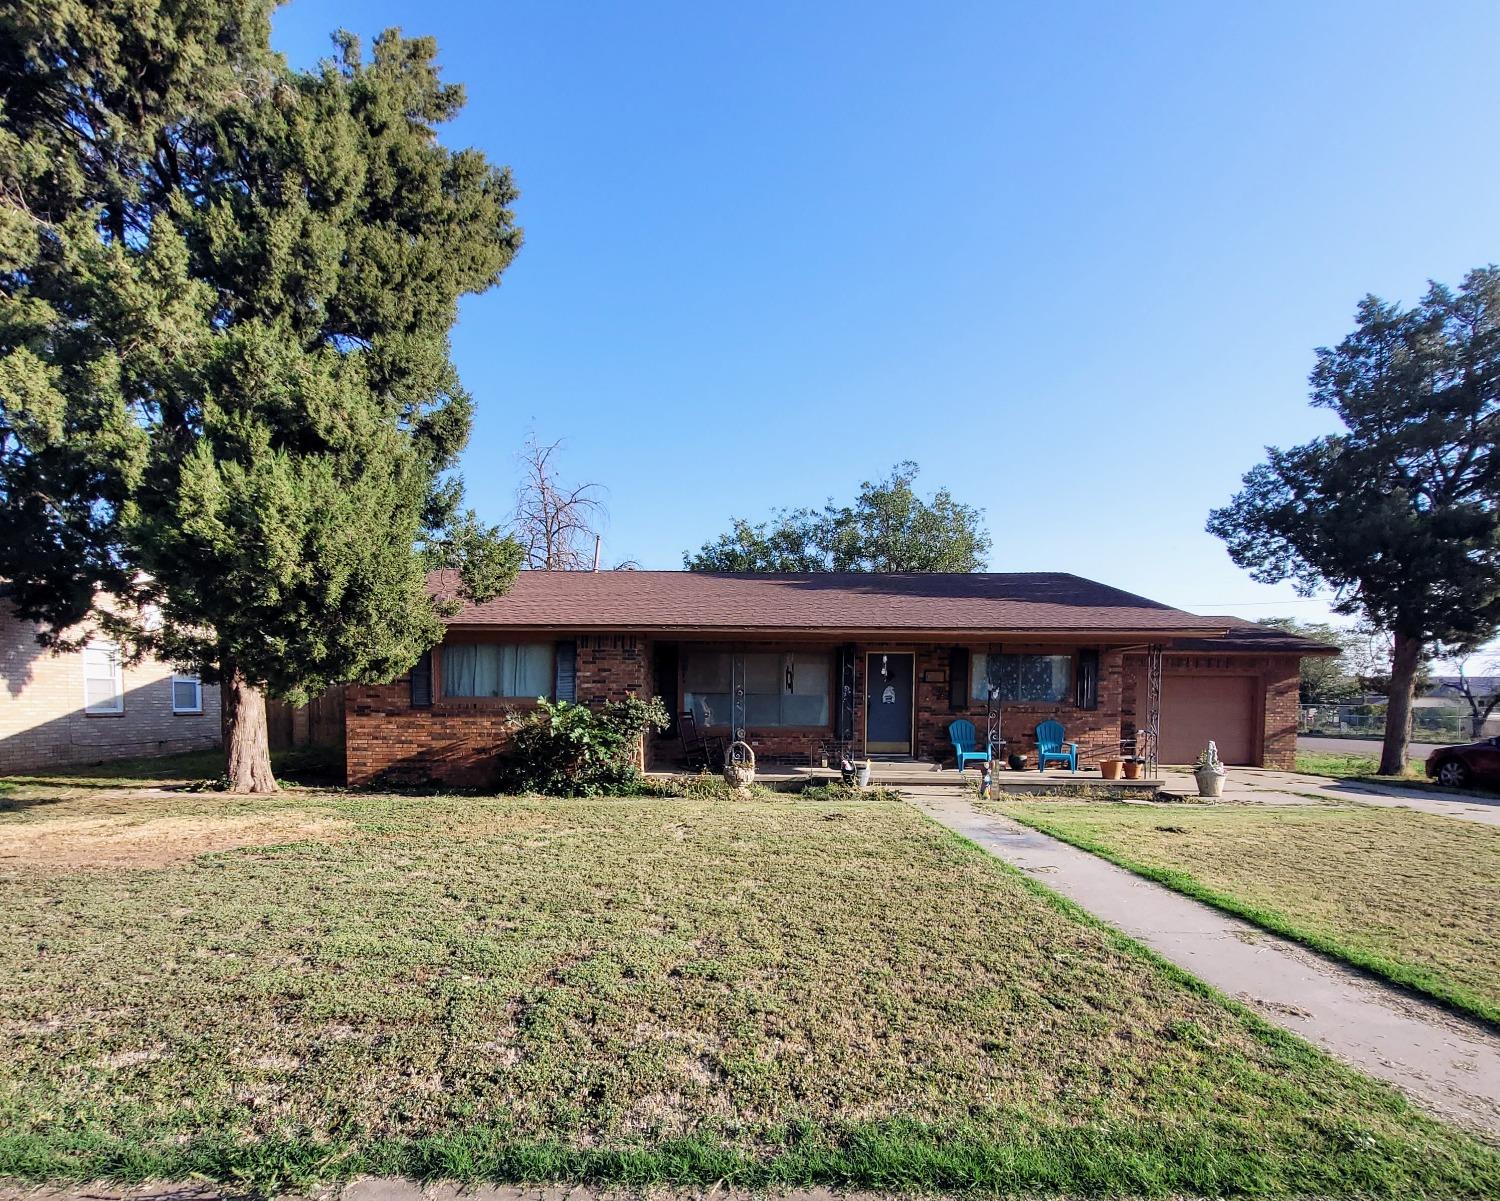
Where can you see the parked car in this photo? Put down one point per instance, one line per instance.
(1467, 763)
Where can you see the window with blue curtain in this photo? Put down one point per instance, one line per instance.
(515, 671)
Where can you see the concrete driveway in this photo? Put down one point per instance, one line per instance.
(1264, 786)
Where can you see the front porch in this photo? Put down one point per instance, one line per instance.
(915, 773)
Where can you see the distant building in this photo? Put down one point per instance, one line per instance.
(86, 706)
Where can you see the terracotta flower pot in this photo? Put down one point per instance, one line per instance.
(1111, 769)
(1132, 769)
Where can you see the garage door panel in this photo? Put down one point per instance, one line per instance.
(1195, 709)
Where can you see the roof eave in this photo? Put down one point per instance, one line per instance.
(909, 633)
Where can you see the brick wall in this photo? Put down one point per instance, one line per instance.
(461, 742)
(1283, 681)
(42, 719)
(1097, 731)
(386, 739)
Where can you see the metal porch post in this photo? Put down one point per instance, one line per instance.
(1151, 735)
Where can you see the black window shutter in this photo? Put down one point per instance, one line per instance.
(958, 678)
(565, 687)
(1088, 679)
(421, 682)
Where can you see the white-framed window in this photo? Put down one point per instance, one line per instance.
(187, 694)
(103, 684)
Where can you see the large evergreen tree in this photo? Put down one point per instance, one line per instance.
(226, 397)
(887, 528)
(1400, 513)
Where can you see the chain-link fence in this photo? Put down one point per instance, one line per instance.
(1368, 721)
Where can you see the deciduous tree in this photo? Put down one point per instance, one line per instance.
(1325, 679)
(1397, 514)
(555, 522)
(888, 527)
(226, 397)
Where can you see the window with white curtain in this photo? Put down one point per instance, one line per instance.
(1023, 677)
(187, 694)
(103, 686)
(788, 688)
(515, 671)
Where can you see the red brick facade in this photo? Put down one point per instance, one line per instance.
(461, 741)
(1096, 730)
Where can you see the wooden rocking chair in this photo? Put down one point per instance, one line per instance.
(700, 753)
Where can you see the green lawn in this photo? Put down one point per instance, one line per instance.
(779, 991)
(1410, 896)
(1341, 766)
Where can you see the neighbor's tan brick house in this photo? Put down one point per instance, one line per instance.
(86, 706)
(796, 664)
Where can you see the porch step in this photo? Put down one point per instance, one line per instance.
(914, 774)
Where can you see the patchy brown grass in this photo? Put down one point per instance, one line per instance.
(93, 843)
(803, 990)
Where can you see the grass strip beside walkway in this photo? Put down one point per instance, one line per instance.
(1410, 897)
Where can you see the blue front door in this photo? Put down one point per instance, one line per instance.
(888, 690)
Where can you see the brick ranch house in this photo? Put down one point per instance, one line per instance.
(882, 662)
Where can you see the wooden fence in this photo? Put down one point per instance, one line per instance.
(320, 722)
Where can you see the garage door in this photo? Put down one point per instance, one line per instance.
(1197, 708)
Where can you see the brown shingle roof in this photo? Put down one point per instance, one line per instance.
(1246, 636)
(831, 601)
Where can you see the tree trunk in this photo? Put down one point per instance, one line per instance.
(1406, 657)
(247, 741)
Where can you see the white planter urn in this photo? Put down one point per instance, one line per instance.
(864, 775)
(1209, 772)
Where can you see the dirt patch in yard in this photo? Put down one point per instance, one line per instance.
(73, 843)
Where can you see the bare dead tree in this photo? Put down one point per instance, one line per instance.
(1482, 698)
(555, 523)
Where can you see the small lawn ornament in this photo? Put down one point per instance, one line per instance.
(739, 766)
(985, 780)
(1209, 772)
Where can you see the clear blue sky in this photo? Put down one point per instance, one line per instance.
(1072, 258)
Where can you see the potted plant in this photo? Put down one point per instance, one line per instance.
(1209, 772)
(1133, 766)
(1111, 769)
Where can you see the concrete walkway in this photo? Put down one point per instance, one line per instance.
(1263, 786)
(1447, 1063)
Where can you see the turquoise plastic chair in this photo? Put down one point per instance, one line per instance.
(1050, 746)
(961, 734)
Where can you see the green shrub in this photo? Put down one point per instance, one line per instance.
(563, 749)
